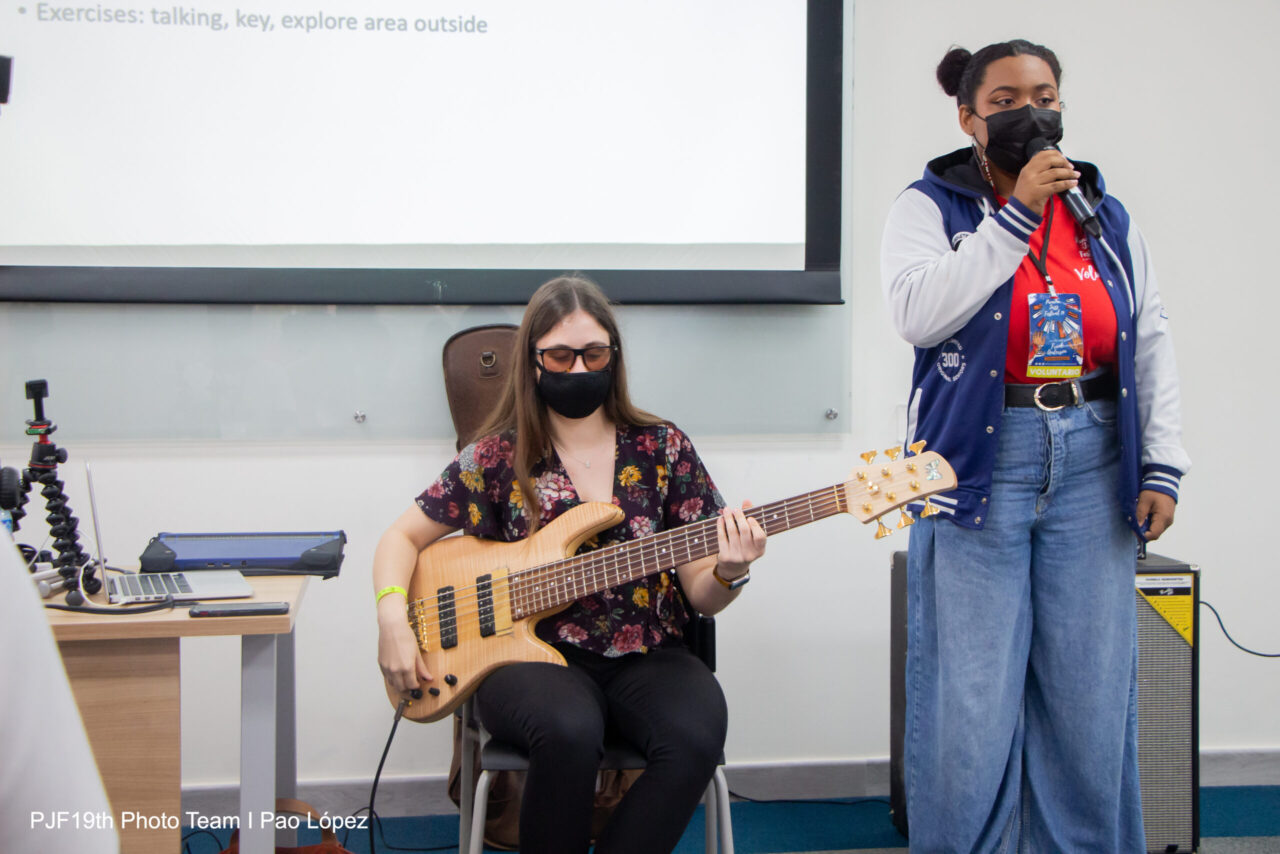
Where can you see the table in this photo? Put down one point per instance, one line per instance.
(124, 672)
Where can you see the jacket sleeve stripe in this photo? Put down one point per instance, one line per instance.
(1028, 216)
(1162, 479)
(1156, 468)
(1018, 220)
(1171, 491)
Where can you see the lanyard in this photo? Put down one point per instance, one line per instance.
(1039, 263)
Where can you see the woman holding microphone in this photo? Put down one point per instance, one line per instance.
(1044, 372)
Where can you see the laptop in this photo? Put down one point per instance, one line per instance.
(131, 589)
(182, 586)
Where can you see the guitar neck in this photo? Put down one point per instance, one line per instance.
(542, 588)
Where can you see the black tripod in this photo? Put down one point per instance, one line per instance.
(71, 562)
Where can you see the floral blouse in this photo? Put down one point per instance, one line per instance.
(659, 482)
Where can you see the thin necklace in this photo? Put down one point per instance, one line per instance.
(565, 453)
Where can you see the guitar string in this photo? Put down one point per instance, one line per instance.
(669, 543)
(520, 591)
(606, 561)
(572, 565)
(522, 603)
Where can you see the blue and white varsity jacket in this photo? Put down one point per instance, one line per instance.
(947, 264)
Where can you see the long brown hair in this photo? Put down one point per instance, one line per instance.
(521, 408)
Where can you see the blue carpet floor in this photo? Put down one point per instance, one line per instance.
(1240, 811)
(778, 827)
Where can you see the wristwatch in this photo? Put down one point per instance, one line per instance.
(730, 585)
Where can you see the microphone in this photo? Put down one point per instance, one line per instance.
(1075, 199)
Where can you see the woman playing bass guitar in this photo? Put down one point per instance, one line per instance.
(565, 433)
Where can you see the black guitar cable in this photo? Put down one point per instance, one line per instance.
(1233, 640)
(373, 792)
(186, 840)
(377, 775)
(116, 611)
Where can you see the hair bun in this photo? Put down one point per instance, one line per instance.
(951, 69)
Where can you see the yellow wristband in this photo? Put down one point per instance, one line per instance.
(386, 591)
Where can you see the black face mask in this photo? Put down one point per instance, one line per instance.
(575, 395)
(1009, 131)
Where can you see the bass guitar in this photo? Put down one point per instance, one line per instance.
(473, 603)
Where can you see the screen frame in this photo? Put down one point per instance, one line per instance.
(818, 283)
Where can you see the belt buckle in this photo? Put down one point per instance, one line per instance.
(1043, 407)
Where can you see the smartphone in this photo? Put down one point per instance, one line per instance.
(239, 609)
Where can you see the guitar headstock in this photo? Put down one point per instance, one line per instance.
(879, 488)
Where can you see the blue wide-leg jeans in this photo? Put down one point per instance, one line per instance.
(1021, 713)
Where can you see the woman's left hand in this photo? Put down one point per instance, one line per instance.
(1156, 509)
(741, 541)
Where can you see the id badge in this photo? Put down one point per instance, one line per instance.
(1056, 348)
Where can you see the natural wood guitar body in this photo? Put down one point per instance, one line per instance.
(458, 562)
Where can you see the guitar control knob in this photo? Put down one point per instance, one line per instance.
(450, 680)
(435, 692)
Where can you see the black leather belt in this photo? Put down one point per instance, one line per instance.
(1054, 396)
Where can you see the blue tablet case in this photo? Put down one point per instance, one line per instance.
(284, 553)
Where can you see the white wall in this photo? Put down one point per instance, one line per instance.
(1172, 101)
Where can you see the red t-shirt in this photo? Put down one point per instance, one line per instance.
(1070, 265)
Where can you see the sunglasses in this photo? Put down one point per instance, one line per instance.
(560, 360)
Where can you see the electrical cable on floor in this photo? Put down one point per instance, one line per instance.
(373, 792)
(375, 818)
(1233, 640)
(186, 840)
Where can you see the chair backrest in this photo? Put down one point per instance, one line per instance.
(476, 364)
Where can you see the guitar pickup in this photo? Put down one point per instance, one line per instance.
(448, 614)
(484, 596)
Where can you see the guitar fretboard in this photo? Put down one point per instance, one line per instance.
(541, 588)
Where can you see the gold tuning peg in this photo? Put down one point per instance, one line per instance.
(929, 510)
(892, 453)
(868, 457)
(882, 530)
(905, 520)
(916, 447)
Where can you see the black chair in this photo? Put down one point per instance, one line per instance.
(497, 756)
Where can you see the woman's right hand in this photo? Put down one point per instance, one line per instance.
(398, 657)
(1045, 175)
(393, 562)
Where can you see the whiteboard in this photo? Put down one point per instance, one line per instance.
(264, 373)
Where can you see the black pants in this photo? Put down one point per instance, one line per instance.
(665, 702)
